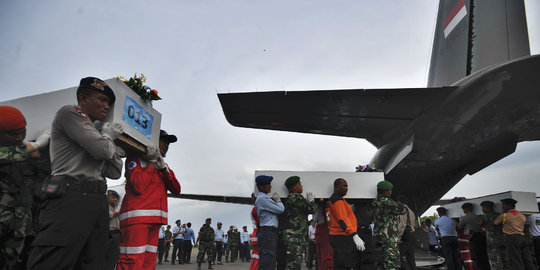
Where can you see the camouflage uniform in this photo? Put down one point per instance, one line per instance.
(494, 239)
(296, 212)
(233, 244)
(386, 232)
(206, 243)
(20, 179)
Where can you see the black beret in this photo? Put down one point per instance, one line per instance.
(509, 201)
(113, 193)
(487, 203)
(467, 206)
(97, 85)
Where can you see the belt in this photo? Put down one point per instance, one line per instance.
(74, 184)
(270, 228)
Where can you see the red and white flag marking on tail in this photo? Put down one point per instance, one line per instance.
(458, 13)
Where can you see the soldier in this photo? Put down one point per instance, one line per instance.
(342, 226)
(74, 221)
(386, 227)
(517, 245)
(22, 169)
(226, 244)
(297, 209)
(168, 241)
(234, 243)
(495, 247)
(207, 244)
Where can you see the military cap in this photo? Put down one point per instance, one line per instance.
(509, 201)
(487, 204)
(97, 85)
(208, 219)
(12, 119)
(467, 206)
(385, 185)
(291, 181)
(263, 179)
(113, 193)
(170, 138)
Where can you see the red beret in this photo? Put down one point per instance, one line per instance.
(11, 119)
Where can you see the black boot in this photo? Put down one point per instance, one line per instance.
(198, 265)
(210, 266)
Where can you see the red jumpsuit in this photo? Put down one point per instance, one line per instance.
(143, 211)
(255, 253)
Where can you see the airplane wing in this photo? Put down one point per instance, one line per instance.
(373, 114)
(214, 198)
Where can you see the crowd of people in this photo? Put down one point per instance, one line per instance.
(54, 202)
(507, 240)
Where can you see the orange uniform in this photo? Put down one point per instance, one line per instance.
(340, 217)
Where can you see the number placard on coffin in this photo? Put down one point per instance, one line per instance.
(140, 121)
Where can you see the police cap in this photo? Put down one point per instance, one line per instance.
(263, 179)
(96, 85)
(291, 181)
(164, 135)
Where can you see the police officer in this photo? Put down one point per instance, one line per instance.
(386, 226)
(205, 242)
(297, 209)
(22, 169)
(219, 233)
(74, 221)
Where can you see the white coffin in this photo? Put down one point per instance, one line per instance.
(140, 121)
(526, 203)
(362, 185)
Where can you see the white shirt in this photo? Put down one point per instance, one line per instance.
(534, 224)
(311, 232)
(161, 233)
(219, 234)
(244, 237)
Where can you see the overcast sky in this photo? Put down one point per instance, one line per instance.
(191, 50)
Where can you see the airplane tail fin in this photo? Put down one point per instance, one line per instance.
(473, 34)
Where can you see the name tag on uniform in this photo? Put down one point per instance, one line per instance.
(137, 117)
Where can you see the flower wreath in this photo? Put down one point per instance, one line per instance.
(144, 91)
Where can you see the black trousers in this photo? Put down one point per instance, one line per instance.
(177, 250)
(519, 254)
(187, 250)
(311, 253)
(406, 250)
(160, 248)
(113, 249)
(74, 233)
(343, 246)
(218, 251)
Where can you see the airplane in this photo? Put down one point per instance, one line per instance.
(482, 99)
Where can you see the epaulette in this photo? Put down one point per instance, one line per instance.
(79, 111)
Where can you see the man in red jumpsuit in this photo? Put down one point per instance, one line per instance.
(144, 208)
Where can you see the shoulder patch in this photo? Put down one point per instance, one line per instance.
(132, 164)
(78, 110)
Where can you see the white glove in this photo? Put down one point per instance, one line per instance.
(42, 140)
(310, 197)
(160, 163)
(152, 153)
(112, 131)
(275, 197)
(359, 243)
